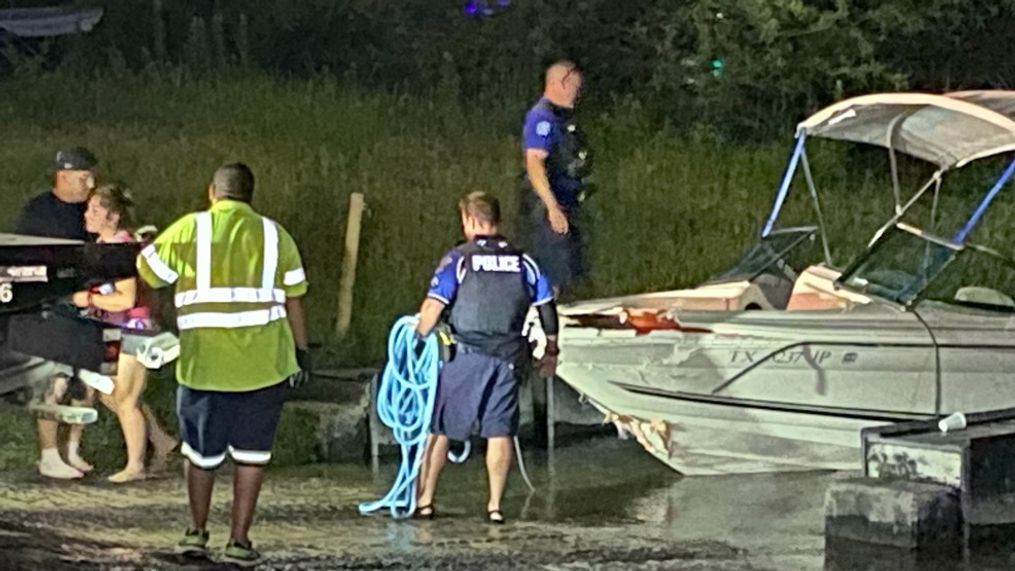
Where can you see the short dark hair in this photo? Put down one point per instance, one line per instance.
(118, 200)
(234, 181)
(481, 206)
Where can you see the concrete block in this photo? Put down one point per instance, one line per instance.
(899, 460)
(339, 429)
(902, 514)
(846, 555)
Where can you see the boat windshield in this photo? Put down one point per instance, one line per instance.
(784, 253)
(980, 278)
(907, 265)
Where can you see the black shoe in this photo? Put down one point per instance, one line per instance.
(495, 516)
(425, 512)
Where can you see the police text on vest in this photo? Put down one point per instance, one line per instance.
(491, 263)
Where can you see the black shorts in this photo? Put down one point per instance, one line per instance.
(477, 394)
(243, 424)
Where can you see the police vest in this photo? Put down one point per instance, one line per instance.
(570, 157)
(493, 296)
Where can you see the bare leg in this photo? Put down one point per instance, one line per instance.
(424, 466)
(436, 460)
(498, 462)
(47, 433)
(162, 442)
(76, 432)
(51, 464)
(200, 484)
(246, 488)
(130, 382)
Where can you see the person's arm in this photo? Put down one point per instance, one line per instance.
(539, 136)
(542, 299)
(298, 325)
(443, 288)
(292, 279)
(158, 263)
(535, 167)
(294, 284)
(551, 328)
(123, 297)
(429, 315)
(297, 322)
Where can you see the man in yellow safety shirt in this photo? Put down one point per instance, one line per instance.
(239, 284)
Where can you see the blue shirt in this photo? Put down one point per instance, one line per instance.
(545, 129)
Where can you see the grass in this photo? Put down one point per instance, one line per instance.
(670, 211)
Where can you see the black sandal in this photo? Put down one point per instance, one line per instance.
(425, 512)
(495, 516)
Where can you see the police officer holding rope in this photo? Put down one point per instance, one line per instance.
(556, 179)
(487, 287)
(239, 284)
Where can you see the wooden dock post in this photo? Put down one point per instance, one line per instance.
(349, 257)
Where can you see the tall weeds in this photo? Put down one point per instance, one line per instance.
(669, 211)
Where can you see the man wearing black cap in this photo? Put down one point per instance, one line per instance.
(60, 213)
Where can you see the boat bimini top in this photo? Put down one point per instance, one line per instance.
(948, 131)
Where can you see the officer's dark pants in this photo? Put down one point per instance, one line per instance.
(561, 257)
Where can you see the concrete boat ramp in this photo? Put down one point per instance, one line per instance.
(601, 504)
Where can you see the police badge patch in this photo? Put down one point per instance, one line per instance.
(543, 128)
(444, 262)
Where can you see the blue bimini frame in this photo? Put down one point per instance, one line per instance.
(981, 208)
(787, 178)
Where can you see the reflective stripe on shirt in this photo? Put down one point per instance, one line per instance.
(161, 269)
(229, 295)
(202, 272)
(204, 293)
(270, 259)
(230, 320)
(294, 277)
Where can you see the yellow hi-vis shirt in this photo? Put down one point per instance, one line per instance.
(233, 270)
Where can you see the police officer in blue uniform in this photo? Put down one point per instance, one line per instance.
(485, 286)
(556, 178)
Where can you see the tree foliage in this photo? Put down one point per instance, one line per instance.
(735, 67)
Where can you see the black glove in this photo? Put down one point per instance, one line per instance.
(418, 345)
(301, 377)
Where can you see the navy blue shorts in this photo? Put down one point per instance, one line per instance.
(243, 424)
(476, 394)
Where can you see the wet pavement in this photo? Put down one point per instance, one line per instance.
(603, 504)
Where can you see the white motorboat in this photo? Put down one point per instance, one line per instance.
(773, 366)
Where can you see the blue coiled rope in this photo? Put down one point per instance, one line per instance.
(405, 403)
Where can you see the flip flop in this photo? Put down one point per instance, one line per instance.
(425, 512)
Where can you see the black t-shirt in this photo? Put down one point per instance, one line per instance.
(46, 215)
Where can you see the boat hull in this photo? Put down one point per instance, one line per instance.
(785, 391)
